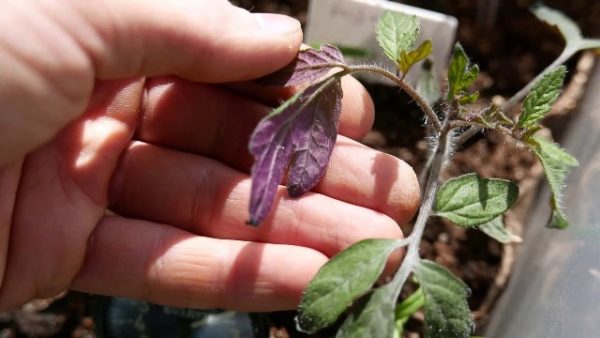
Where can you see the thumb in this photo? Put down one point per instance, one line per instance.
(52, 52)
(203, 40)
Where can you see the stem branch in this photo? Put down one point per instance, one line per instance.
(562, 58)
(425, 107)
(412, 257)
(510, 104)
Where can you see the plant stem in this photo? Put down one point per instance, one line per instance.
(439, 157)
(412, 257)
(433, 170)
(425, 107)
(510, 104)
(562, 58)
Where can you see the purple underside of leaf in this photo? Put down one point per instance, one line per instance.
(308, 66)
(314, 139)
(303, 132)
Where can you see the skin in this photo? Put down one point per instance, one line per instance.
(142, 107)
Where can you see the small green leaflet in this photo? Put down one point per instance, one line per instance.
(461, 74)
(346, 277)
(447, 313)
(374, 318)
(569, 29)
(468, 98)
(556, 163)
(408, 59)
(497, 231)
(427, 84)
(396, 32)
(542, 96)
(406, 309)
(559, 219)
(471, 200)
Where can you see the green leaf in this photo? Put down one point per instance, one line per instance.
(542, 96)
(427, 85)
(406, 309)
(447, 313)
(471, 200)
(497, 231)
(396, 32)
(374, 318)
(408, 59)
(468, 98)
(346, 277)
(461, 74)
(556, 163)
(558, 219)
(456, 71)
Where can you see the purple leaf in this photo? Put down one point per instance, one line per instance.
(301, 131)
(310, 65)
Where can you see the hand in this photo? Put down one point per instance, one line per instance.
(128, 106)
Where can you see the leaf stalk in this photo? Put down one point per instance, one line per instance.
(412, 257)
(425, 107)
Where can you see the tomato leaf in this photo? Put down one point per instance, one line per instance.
(461, 73)
(495, 229)
(447, 312)
(471, 200)
(556, 163)
(408, 59)
(342, 280)
(302, 131)
(374, 318)
(310, 65)
(542, 96)
(396, 32)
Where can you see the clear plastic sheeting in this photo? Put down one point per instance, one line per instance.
(555, 288)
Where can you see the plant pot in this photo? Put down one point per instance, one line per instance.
(555, 286)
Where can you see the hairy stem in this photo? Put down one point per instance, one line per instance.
(425, 107)
(510, 103)
(439, 157)
(412, 257)
(562, 58)
(432, 170)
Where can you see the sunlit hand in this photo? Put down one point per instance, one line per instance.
(129, 106)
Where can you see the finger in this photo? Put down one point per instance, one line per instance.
(10, 176)
(62, 195)
(360, 175)
(205, 40)
(358, 111)
(162, 264)
(208, 120)
(205, 197)
(56, 49)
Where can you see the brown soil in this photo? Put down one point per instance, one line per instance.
(510, 51)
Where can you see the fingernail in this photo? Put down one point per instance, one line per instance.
(277, 24)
